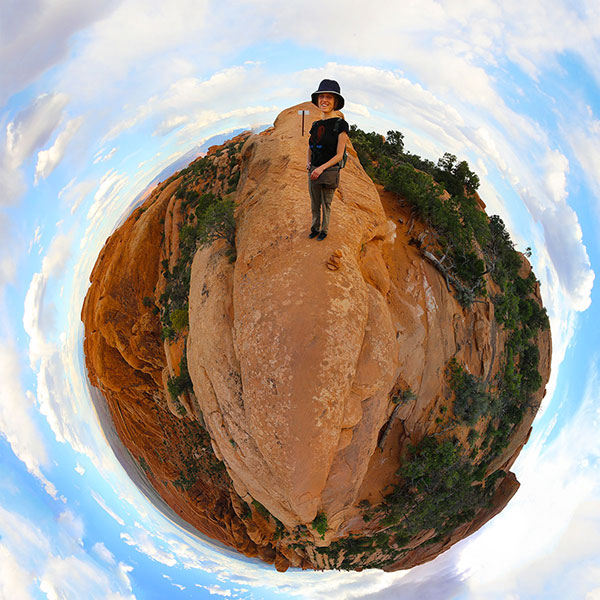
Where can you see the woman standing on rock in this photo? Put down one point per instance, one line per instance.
(326, 146)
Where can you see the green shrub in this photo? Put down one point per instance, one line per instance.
(403, 396)
(180, 318)
(471, 398)
(261, 509)
(233, 181)
(458, 222)
(320, 524)
(181, 383)
(472, 437)
(167, 333)
(437, 490)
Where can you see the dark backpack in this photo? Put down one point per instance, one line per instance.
(336, 130)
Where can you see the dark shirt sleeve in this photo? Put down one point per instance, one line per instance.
(344, 126)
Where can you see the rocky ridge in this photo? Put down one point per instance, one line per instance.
(295, 384)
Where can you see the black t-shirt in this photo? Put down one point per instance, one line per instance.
(323, 139)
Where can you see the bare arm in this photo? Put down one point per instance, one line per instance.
(341, 146)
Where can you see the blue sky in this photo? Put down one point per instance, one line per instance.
(97, 98)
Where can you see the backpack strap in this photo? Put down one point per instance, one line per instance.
(336, 130)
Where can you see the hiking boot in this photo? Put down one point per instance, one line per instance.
(313, 234)
(322, 236)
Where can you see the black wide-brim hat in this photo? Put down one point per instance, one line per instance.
(328, 86)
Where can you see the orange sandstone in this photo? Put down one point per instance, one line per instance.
(294, 352)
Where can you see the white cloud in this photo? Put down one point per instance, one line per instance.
(100, 500)
(486, 140)
(569, 567)
(49, 159)
(444, 44)
(215, 590)
(54, 395)
(171, 123)
(12, 182)
(100, 550)
(573, 31)
(37, 236)
(79, 469)
(355, 108)
(59, 252)
(117, 53)
(15, 581)
(228, 120)
(435, 580)
(556, 167)
(37, 319)
(8, 256)
(51, 488)
(563, 241)
(72, 525)
(144, 543)
(191, 99)
(74, 193)
(30, 129)
(23, 538)
(593, 594)
(33, 126)
(111, 184)
(17, 422)
(76, 577)
(421, 36)
(56, 401)
(429, 582)
(102, 156)
(51, 24)
(61, 568)
(583, 136)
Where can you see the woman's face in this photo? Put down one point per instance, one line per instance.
(326, 102)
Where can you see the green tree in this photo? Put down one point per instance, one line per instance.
(217, 222)
(395, 141)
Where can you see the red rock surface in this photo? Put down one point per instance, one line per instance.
(294, 351)
(126, 360)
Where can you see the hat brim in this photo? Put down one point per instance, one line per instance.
(340, 99)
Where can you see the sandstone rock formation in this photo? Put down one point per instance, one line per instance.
(317, 367)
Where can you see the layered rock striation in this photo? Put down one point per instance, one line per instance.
(320, 373)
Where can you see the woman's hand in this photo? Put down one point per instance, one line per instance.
(316, 173)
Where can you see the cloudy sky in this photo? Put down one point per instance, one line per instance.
(96, 98)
